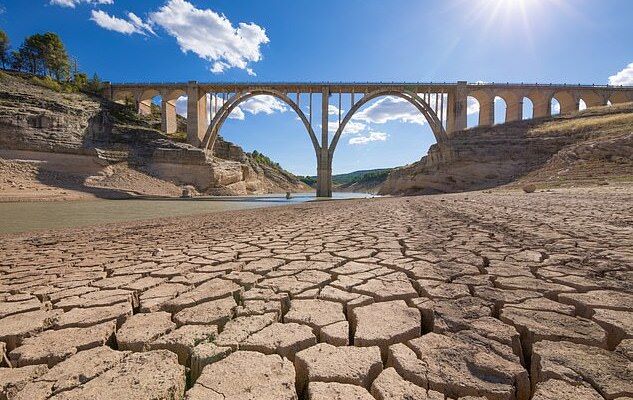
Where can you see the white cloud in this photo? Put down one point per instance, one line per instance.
(259, 104)
(351, 128)
(74, 3)
(390, 108)
(133, 24)
(333, 110)
(263, 104)
(372, 137)
(624, 77)
(211, 35)
(473, 106)
(555, 107)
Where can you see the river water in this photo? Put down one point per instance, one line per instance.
(29, 216)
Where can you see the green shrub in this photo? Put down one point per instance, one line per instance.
(46, 82)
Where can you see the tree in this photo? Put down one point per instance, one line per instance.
(81, 80)
(55, 56)
(4, 48)
(44, 54)
(94, 84)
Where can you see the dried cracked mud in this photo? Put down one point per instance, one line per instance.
(495, 296)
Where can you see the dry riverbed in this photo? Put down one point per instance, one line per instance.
(501, 295)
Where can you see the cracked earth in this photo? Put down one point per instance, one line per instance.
(495, 296)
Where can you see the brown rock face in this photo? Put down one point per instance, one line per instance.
(521, 153)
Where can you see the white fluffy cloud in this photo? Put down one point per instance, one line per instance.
(333, 110)
(211, 36)
(390, 108)
(255, 105)
(351, 128)
(263, 104)
(74, 3)
(372, 137)
(624, 77)
(133, 24)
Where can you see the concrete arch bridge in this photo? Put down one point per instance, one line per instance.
(444, 105)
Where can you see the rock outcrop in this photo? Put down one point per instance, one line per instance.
(89, 142)
(585, 147)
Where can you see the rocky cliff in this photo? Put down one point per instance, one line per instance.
(591, 146)
(88, 142)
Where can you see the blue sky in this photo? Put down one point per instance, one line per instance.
(569, 41)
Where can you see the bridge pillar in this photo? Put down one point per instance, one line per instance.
(144, 107)
(514, 110)
(487, 111)
(169, 123)
(324, 163)
(457, 107)
(542, 106)
(197, 120)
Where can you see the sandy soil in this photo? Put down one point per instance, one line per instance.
(28, 180)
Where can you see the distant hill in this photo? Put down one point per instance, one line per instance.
(365, 181)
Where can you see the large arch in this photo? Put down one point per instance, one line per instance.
(413, 98)
(228, 107)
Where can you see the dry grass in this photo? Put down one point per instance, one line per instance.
(597, 120)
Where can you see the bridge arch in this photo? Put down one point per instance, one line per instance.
(223, 113)
(527, 106)
(413, 98)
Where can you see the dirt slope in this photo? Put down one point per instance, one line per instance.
(589, 147)
(72, 145)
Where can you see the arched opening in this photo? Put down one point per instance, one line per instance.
(501, 109)
(582, 105)
(528, 108)
(472, 112)
(124, 97)
(381, 131)
(253, 121)
(144, 102)
(554, 106)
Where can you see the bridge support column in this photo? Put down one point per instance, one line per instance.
(144, 107)
(197, 120)
(487, 112)
(324, 163)
(169, 123)
(456, 109)
(542, 106)
(514, 111)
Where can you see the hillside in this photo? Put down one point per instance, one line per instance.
(593, 146)
(363, 181)
(57, 145)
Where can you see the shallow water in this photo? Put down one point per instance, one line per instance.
(29, 216)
